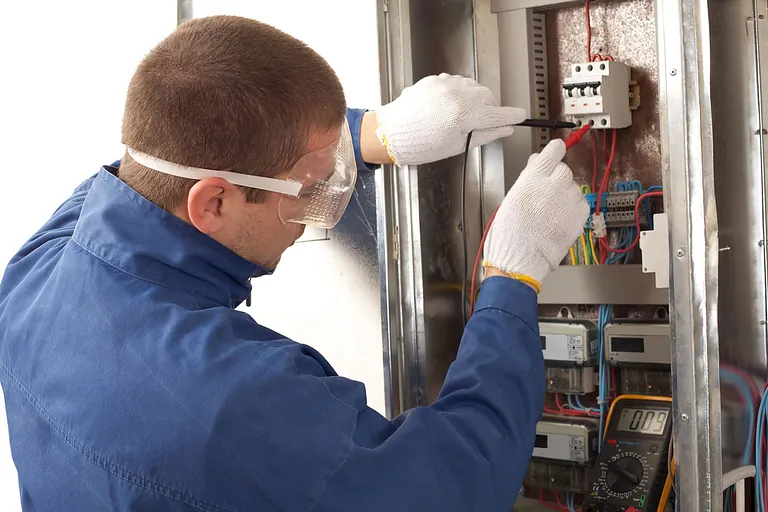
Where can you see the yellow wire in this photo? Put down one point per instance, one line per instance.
(584, 245)
(592, 245)
(573, 256)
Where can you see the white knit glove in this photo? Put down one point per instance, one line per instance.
(539, 220)
(431, 120)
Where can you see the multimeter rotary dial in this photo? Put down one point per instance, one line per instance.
(622, 474)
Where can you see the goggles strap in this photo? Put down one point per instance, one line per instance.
(288, 188)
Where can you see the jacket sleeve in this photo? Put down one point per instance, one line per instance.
(355, 120)
(470, 449)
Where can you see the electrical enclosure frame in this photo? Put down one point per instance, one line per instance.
(418, 38)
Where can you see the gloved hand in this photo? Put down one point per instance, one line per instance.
(539, 220)
(431, 120)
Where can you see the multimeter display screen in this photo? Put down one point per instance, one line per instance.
(643, 421)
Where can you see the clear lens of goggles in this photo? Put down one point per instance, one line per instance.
(316, 191)
(327, 179)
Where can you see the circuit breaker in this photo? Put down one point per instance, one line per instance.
(598, 93)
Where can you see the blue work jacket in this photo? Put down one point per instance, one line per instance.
(132, 383)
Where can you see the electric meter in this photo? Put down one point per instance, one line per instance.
(573, 440)
(638, 344)
(568, 344)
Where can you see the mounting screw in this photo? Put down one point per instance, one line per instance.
(673, 71)
(680, 253)
(762, 322)
(760, 16)
(761, 243)
(684, 417)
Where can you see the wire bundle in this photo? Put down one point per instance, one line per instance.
(761, 496)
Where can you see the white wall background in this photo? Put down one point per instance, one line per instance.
(66, 66)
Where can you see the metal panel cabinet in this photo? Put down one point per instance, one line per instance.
(423, 241)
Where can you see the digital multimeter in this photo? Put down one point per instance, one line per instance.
(631, 472)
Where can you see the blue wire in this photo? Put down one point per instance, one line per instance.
(759, 455)
(630, 238)
(742, 386)
(570, 501)
(604, 383)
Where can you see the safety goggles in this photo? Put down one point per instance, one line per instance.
(316, 192)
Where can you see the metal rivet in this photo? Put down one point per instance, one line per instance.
(762, 322)
(673, 72)
(680, 253)
(684, 417)
(760, 17)
(761, 243)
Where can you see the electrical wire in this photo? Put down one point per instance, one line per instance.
(761, 496)
(604, 316)
(465, 241)
(548, 504)
(750, 403)
(592, 247)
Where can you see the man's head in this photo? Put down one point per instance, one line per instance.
(230, 94)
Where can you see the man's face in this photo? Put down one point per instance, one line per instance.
(261, 236)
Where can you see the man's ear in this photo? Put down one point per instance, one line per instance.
(210, 202)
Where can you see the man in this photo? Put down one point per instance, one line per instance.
(132, 383)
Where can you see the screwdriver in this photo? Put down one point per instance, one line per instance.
(572, 139)
(547, 123)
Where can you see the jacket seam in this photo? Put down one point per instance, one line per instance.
(497, 310)
(125, 272)
(133, 478)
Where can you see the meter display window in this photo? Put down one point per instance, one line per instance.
(643, 421)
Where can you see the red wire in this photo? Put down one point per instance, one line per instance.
(594, 162)
(566, 412)
(548, 504)
(604, 244)
(559, 503)
(589, 32)
(607, 176)
(596, 57)
(477, 263)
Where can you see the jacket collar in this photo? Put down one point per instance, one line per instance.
(122, 228)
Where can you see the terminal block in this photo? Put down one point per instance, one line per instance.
(618, 209)
(571, 381)
(557, 477)
(598, 94)
(637, 381)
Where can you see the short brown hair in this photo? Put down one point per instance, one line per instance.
(225, 93)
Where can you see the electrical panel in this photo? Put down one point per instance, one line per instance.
(573, 441)
(612, 341)
(638, 344)
(597, 93)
